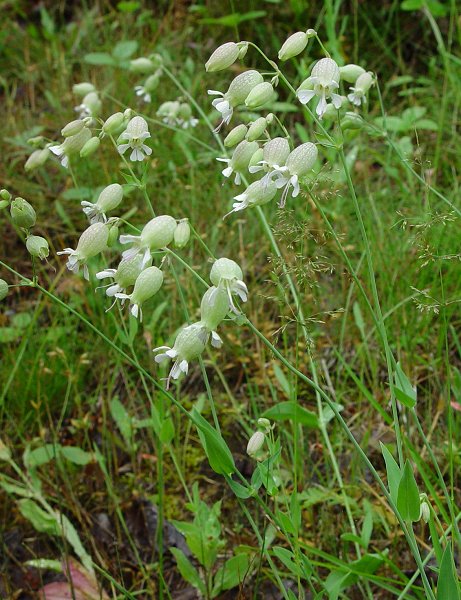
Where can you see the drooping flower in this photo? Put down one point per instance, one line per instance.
(108, 200)
(169, 112)
(189, 344)
(185, 117)
(275, 154)
(136, 133)
(156, 234)
(227, 274)
(37, 246)
(257, 193)
(90, 106)
(147, 284)
(213, 310)
(240, 160)
(124, 276)
(255, 443)
(299, 162)
(237, 93)
(294, 45)
(92, 241)
(360, 89)
(323, 82)
(71, 146)
(351, 72)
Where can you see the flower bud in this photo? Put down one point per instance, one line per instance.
(331, 112)
(255, 443)
(214, 307)
(270, 118)
(182, 233)
(82, 89)
(276, 151)
(351, 73)
(293, 46)
(73, 128)
(5, 195)
(425, 512)
(235, 136)
(243, 49)
(224, 56)
(264, 424)
(4, 204)
(37, 159)
(352, 120)
(90, 147)
(113, 123)
(113, 236)
(22, 213)
(242, 85)
(37, 246)
(128, 114)
(142, 65)
(311, 33)
(256, 129)
(157, 59)
(147, 285)
(259, 95)
(36, 141)
(185, 111)
(3, 289)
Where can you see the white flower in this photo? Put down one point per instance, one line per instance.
(156, 234)
(323, 82)
(136, 133)
(275, 154)
(169, 111)
(147, 284)
(90, 106)
(71, 146)
(189, 344)
(257, 193)
(362, 85)
(108, 199)
(141, 91)
(92, 241)
(228, 274)
(299, 162)
(124, 276)
(240, 160)
(237, 93)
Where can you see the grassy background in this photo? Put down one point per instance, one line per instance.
(57, 379)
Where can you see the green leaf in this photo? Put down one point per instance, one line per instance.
(129, 6)
(124, 50)
(291, 411)
(412, 4)
(287, 558)
(43, 455)
(123, 420)
(283, 381)
(187, 570)
(447, 582)
(100, 58)
(408, 502)
(239, 490)
(41, 520)
(76, 455)
(167, 431)
(234, 19)
(393, 473)
(404, 391)
(71, 535)
(231, 574)
(216, 449)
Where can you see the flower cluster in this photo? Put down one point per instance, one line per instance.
(226, 277)
(281, 164)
